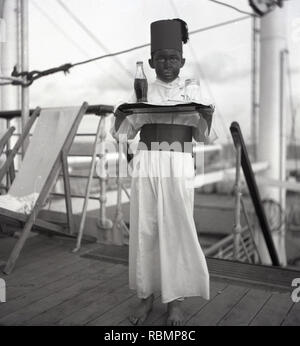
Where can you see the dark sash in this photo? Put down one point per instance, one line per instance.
(168, 137)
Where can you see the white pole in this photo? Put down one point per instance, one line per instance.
(272, 43)
(25, 67)
(255, 104)
(8, 59)
(282, 165)
(19, 51)
(2, 40)
(8, 56)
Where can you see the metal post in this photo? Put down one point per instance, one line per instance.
(119, 224)
(254, 91)
(19, 58)
(8, 57)
(237, 216)
(2, 124)
(98, 147)
(104, 223)
(282, 169)
(273, 41)
(25, 67)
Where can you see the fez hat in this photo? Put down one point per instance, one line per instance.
(168, 34)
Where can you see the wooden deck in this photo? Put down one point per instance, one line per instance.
(52, 286)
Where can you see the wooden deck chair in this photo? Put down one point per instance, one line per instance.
(4, 139)
(45, 157)
(8, 166)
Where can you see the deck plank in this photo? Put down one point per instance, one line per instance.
(274, 311)
(111, 279)
(60, 279)
(52, 286)
(293, 316)
(269, 277)
(192, 305)
(41, 270)
(117, 313)
(96, 304)
(85, 281)
(33, 247)
(105, 311)
(219, 306)
(48, 249)
(158, 310)
(47, 272)
(244, 311)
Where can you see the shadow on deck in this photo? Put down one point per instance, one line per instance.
(52, 286)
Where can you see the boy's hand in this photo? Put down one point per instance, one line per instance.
(207, 114)
(120, 116)
(119, 113)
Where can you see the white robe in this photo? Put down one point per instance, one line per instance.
(164, 251)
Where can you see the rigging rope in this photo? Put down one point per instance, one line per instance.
(234, 8)
(30, 77)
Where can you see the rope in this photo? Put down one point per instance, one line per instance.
(30, 77)
(92, 36)
(234, 8)
(73, 42)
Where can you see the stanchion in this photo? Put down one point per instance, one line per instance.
(98, 148)
(119, 226)
(104, 223)
(237, 217)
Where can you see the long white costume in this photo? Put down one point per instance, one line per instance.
(164, 251)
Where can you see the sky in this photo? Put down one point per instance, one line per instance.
(220, 58)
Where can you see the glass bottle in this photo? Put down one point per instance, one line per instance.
(140, 83)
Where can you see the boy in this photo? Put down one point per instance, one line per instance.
(164, 252)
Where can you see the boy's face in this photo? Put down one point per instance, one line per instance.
(167, 64)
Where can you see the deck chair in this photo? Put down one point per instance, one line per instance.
(45, 157)
(4, 139)
(8, 167)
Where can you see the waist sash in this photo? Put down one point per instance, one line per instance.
(166, 137)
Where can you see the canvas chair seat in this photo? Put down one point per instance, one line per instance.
(45, 157)
(22, 205)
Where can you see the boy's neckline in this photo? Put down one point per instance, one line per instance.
(175, 82)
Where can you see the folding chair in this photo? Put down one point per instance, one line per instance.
(45, 157)
(3, 142)
(5, 138)
(8, 166)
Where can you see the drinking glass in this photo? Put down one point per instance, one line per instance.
(192, 90)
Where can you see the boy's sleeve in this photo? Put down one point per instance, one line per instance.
(200, 133)
(204, 133)
(125, 129)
